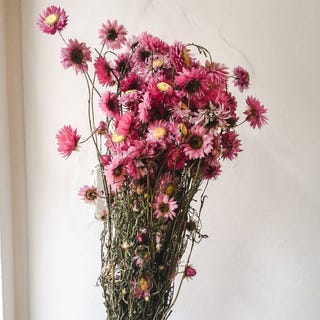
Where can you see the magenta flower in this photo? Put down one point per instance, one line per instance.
(255, 113)
(164, 206)
(112, 34)
(109, 104)
(67, 140)
(103, 71)
(76, 55)
(230, 145)
(52, 20)
(189, 271)
(89, 194)
(241, 78)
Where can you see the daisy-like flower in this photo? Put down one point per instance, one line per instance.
(103, 71)
(112, 34)
(52, 19)
(194, 82)
(241, 78)
(199, 143)
(67, 140)
(218, 74)
(76, 55)
(89, 194)
(109, 104)
(189, 271)
(153, 44)
(230, 145)
(180, 56)
(164, 207)
(255, 113)
(115, 172)
(158, 133)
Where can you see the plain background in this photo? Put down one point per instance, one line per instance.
(261, 260)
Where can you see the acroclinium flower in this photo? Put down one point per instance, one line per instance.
(67, 140)
(76, 55)
(52, 19)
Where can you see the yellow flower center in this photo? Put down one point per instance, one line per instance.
(143, 284)
(184, 106)
(117, 138)
(52, 19)
(183, 129)
(169, 189)
(186, 57)
(158, 63)
(163, 86)
(159, 132)
(131, 91)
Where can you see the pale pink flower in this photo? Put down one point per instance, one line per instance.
(76, 55)
(255, 113)
(67, 140)
(115, 172)
(89, 194)
(241, 78)
(53, 19)
(101, 215)
(199, 142)
(164, 207)
(142, 288)
(158, 133)
(112, 34)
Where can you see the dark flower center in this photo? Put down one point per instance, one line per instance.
(145, 54)
(77, 56)
(117, 171)
(91, 195)
(112, 35)
(195, 142)
(192, 86)
(164, 207)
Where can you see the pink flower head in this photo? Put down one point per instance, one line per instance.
(103, 71)
(218, 74)
(255, 113)
(67, 140)
(142, 288)
(115, 172)
(76, 55)
(109, 104)
(199, 143)
(189, 271)
(153, 44)
(158, 133)
(124, 124)
(89, 194)
(180, 56)
(175, 158)
(53, 19)
(230, 145)
(241, 78)
(193, 82)
(112, 34)
(164, 207)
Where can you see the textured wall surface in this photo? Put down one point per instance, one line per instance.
(261, 260)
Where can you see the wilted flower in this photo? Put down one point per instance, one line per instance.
(189, 271)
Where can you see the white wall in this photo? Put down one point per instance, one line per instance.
(261, 260)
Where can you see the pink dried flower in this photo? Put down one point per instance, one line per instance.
(255, 113)
(112, 34)
(109, 104)
(199, 143)
(241, 78)
(67, 140)
(89, 194)
(230, 145)
(164, 206)
(189, 271)
(53, 19)
(76, 55)
(103, 71)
